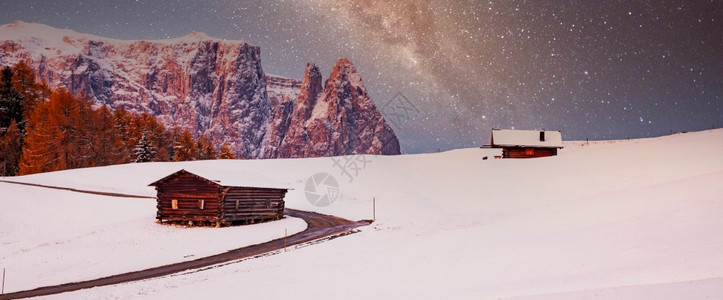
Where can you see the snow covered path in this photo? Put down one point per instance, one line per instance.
(320, 226)
(637, 219)
(51, 236)
(77, 190)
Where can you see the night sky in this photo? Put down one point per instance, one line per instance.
(592, 69)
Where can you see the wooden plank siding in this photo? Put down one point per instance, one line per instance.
(243, 204)
(527, 152)
(526, 143)
(188, 190)
(221, 204)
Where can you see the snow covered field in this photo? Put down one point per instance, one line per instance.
(49, 236)
(618, 219)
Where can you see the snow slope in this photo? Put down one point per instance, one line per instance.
(50, 236)
(620, 219)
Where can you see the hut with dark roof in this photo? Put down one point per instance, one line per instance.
(190, 198)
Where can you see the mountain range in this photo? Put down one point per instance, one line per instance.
(211, 86)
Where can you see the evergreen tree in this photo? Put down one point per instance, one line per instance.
(144, 151)
(18, 94)
(157, 134)
(10, 150)
(11, 108)
(32, 91)
(64, 132)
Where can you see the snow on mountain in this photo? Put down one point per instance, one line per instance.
(283, 94)
(338, 117)
(211, 86)
(627, 219)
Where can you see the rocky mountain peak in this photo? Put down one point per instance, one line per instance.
(198, 35)
(343, 67)
(342, 119)
(310, 89)
(345, 83)
(212, 87)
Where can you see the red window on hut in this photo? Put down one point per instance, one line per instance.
(530, 151)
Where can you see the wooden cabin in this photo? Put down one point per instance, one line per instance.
(526, 143)
(186, 197)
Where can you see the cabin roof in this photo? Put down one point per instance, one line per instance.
(526, 138)
(240, 179)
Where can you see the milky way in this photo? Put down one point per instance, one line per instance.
(592, 69)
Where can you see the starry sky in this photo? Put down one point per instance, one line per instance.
(591, 69)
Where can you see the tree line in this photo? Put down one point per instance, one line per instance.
(44, 129)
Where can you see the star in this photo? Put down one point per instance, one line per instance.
(589, 69)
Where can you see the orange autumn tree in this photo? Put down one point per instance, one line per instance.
(25, 83)
(158, 136)
(10, 149)
(44, 130)
(19, 92)
(206, 150)
(225, 152)
(108, 147)
(185, 147)
(57, 136)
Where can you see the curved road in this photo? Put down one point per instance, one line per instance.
(319, 226)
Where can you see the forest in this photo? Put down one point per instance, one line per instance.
(44, 129)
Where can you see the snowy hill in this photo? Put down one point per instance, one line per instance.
(627, 219)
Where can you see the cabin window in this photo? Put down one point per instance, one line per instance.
(201, 204)
(542, 136)
(238, 203)
(174, 204)
(268, 203)
(530, 151)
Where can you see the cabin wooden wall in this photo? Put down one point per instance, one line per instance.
(188, 190)
(253, 204)
(524, 152)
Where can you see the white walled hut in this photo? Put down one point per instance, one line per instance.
(526, 143)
